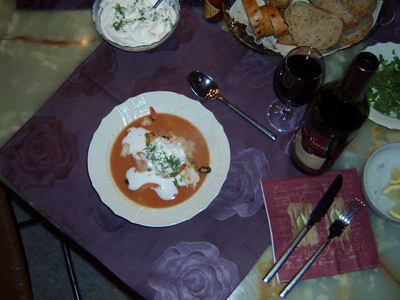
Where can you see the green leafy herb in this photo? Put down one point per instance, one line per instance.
(163, 163)
(118, 24)
(119, 10)
(383, 91)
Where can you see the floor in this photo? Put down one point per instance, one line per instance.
(47, 267)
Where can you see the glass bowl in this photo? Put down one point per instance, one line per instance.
(376, 177)
(98, 10)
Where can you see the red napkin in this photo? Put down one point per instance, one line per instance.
(289, 202)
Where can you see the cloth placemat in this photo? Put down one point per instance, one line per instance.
(80, 4)
(205, 257)
(289, 202)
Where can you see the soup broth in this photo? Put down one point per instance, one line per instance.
(163, 125)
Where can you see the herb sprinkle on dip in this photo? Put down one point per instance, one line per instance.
(133, 22)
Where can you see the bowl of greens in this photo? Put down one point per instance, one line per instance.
(383, 91)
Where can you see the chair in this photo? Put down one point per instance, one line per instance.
(14, 277)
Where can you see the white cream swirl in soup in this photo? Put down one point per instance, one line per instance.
(134, 22)
(162, 164)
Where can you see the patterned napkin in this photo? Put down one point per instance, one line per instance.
(289, 202)
(79, 4)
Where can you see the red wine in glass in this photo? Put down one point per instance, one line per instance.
(297, 79)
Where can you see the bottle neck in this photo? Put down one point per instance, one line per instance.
(356, 81)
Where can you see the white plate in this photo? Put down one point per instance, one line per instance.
(132, 109)
(386, 50)
(376, 177)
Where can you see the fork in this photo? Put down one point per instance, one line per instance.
(335, 230)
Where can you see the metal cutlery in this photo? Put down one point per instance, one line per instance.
(316, 215)
(157, 4)
(204, 87)
(335, 230)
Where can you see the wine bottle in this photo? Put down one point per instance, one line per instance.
(213, 10)
(333, 119)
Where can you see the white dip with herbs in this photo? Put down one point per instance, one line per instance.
(134, 23)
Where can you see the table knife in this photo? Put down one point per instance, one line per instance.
(316, 215)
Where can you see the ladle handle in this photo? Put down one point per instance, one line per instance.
(248, 118)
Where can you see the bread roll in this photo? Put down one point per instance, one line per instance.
(278, 3)
(336, 7)
(255, 17)
(279, 25)
(312, 26)
(361, 8)
(269, 30)
(286, 40)
(355, 34)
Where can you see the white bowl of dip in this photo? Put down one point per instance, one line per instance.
(132, 25)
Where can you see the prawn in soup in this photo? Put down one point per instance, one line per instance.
(159, 160)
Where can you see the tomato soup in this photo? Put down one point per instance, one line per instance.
(163, 125)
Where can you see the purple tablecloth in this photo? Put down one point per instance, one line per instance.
(206, 256)
(389, 29)
(79, 4)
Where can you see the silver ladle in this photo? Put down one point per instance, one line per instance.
(204, 87)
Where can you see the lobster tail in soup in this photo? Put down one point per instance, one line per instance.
(159, 160)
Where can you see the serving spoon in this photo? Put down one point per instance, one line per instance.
(204, 87)
(157, 4)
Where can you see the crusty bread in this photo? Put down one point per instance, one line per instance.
(269, 29)
(255, 18)
(312, 26)
(279, 25)
(278, 3)
(336, 7)
(361, 8)
(355, 34)
(286, 40)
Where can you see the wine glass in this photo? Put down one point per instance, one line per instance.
(297, 78)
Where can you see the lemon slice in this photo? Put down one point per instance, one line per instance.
(301, 221)
(395, 177)
(395, 212)
(392, 191)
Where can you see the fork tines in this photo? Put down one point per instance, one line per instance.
(351, 211)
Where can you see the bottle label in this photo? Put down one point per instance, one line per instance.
(310, 160)
(210, 10)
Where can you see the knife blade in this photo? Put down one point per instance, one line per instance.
(316, 215)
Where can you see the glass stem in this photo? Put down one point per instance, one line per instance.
(286, 112)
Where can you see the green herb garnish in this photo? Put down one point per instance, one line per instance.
(383, 90)
(164, 164)
(119, 10)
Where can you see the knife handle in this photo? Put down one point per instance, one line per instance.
(286, 254)
(301, 272)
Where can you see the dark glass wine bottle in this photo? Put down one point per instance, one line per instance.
(213, 10)
(333, 119)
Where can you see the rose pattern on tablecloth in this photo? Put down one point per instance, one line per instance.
(109, 221)
(241, 193)
(40, 153)
(193, 271)
(259, 75)
(103, 69)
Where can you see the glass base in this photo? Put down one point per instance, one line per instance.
(281, 119)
